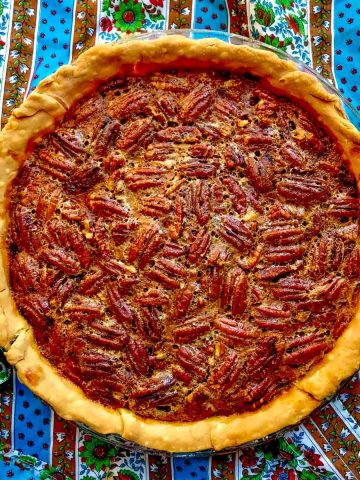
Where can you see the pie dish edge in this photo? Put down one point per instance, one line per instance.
(37, 116)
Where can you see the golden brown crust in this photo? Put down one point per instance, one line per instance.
(67, 399)
(216, 432)
(38, 115)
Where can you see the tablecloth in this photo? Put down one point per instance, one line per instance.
(36, 37)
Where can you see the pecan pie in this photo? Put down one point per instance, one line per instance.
(182, 263)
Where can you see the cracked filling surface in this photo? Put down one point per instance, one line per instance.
(185, 244)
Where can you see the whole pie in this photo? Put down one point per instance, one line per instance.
(181, 259)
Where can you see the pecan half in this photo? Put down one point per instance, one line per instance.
(142, 178)
(62, 260)
(235, 232)
(84, 312)
(115, 342)
(139, 356)
(283, 233)
(93, 283)
(161, 277)
(275, 271)
(291, 155)
(290, 288)
(260, 171)
(80, 246)
(105, 138)
(172, 249)
(344, 207)
(234, 291)
(227, 108)
(155, 206)
(177, 221)
(152, 298)
(284, 253)
(199, 168)
(201, 200)
(215, 276)
(233, 156)
(306, 353)
(159, 151)
(135, 133)
(238, 197)
(192, 329)
(68, 142)
(36, 309)
(153, 385)
(199, 247)
(49, 200)
(83, 178)
(183, 301)
(352, 263)
(172, 267)
(301, 189)
(227, 371)
(196, 102)
(234, 329)
(145, 236)
(105, 206)
(192, 360)
(120, 230)
(150, 323)
(128, 104)
(218, 196)
(325, 255)
(179, 134)
(120, 309)
(25, 272)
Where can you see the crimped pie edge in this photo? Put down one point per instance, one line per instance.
(38, 115)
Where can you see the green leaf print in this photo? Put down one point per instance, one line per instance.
(307, 475)
(259, 476)
(289, 448)
(28, 459)
(296, 23)
(285, 3)
(106, 6)
(126, 474)
(157, 17)
(264, 15)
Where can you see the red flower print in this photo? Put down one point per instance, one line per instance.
(106, 24)
(157, 3)
(248, 459)
(278, 471)
(313, 458)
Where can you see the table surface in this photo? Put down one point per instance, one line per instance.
(36, 37)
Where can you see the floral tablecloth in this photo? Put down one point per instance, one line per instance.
(36, 37)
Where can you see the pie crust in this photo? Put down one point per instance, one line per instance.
(38, 116)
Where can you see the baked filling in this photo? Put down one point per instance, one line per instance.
(185, 244)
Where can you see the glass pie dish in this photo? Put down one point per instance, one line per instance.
(288, 187)
(352, 115)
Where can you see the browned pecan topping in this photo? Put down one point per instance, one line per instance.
(185, 244)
